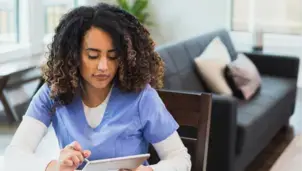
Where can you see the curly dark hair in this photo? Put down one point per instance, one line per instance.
(139, 63)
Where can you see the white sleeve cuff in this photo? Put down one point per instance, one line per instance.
(20, 154)
(173, 155)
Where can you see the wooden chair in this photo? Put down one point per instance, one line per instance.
(190, 110)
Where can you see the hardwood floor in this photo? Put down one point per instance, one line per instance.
(267, 158)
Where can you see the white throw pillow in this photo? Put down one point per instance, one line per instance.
(211, 64)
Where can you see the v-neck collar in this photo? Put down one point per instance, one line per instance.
(76, 109)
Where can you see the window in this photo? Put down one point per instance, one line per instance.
(272, 16)
(8, 22)
(54, 9)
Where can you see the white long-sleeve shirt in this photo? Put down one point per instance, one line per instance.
(21, 154)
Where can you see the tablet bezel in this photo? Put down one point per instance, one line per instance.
(110, 160)
(120, 158)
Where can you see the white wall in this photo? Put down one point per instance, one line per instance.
(175, 20)
(181, 19)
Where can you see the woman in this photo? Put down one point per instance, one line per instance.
(99, 96)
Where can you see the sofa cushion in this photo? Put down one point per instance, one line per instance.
(186, 81)
(179, 69)
(211, 64)
(179, 63)
(243, 77)
(179, 55)
(260, 117)
(170, 67)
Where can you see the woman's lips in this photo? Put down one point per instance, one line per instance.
(101, 76)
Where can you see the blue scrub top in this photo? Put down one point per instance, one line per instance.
(131, 121)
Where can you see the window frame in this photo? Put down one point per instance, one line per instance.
(250, 26)
(16, 18)
(31, 39)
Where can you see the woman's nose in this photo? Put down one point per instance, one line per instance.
(103, 65)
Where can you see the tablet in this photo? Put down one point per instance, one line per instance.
(114, 164)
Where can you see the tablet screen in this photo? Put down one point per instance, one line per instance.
(113, 164)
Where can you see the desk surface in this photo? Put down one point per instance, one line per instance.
(291, 158)
(19, 66)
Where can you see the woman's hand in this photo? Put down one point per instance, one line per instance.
(70, 158)
(140, 168)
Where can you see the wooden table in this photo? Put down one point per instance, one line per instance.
(291, 158)
(8, 70)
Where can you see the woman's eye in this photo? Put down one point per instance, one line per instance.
(92, 56)
(112, 57)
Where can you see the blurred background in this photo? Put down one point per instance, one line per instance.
(31, 22)
(27, 27)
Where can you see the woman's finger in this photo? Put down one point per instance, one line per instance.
(76, 146)
(80, 156)
(67, 162)
(75, 159)
(86, 153)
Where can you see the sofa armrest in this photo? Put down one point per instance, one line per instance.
(275, 65)
(221, 154)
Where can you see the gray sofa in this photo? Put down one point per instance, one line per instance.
(240, 130)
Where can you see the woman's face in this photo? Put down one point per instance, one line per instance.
(99, 61)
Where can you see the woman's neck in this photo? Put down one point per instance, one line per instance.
(93, 97)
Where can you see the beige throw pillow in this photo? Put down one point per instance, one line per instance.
(211, 64)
